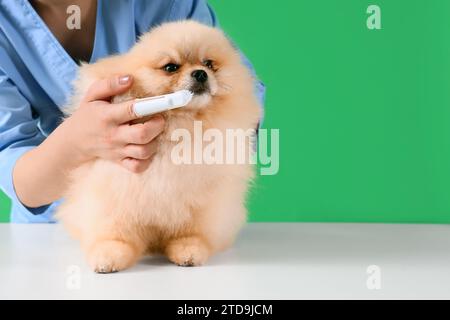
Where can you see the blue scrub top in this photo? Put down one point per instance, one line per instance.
(36, 73)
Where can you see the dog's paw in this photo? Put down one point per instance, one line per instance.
(187, 252)
(111, 256)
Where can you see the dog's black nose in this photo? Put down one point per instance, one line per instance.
(200, 75)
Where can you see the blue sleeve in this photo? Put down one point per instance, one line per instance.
(200, 11)
(19, 133)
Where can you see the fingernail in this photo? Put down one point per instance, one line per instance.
(124, 79)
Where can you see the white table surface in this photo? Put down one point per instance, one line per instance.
(269, 261)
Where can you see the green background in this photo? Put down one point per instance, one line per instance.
(364, 115)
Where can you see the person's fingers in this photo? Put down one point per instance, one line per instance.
(141, 133)
(139, 151)
(135, 165)
(106, 88)
(122, 112)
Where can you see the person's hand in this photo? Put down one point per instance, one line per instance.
(97, 129)
(100, 129)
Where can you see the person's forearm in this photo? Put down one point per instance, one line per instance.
(40, 175)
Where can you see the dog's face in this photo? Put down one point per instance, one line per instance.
(187, 55)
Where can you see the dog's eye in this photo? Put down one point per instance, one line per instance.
(171, 67)
(209, 64)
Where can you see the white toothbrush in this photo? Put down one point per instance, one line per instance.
(152, 105)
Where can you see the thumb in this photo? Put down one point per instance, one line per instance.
(106, 88)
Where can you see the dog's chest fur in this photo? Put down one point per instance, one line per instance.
(165, 194)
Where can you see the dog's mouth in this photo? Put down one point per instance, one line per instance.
(202, 96)
(199, 88)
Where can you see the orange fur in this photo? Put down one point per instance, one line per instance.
(186, 212)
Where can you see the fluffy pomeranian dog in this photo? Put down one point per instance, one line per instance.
(184, 211)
